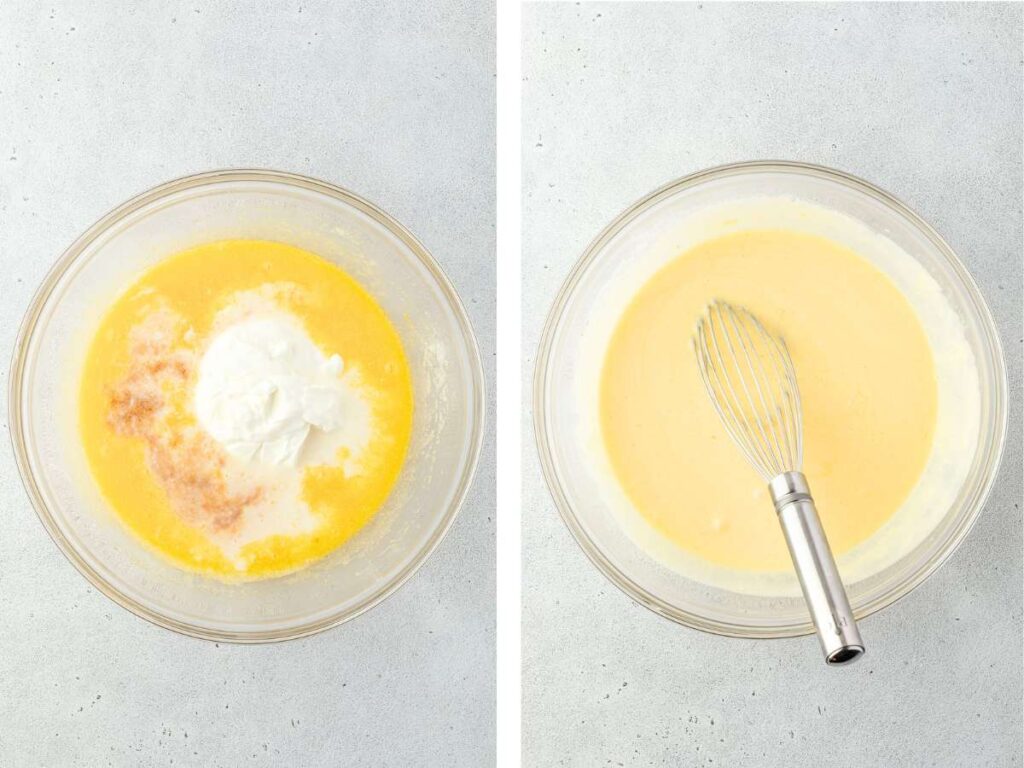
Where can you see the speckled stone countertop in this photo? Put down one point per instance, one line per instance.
(100, 101)
(923, 100)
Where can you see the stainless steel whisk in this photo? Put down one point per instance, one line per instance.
(750, 379)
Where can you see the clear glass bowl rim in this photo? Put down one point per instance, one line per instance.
(68, 259)
(565, 296)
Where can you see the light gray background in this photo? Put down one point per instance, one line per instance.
(99, 101)
(925, 101)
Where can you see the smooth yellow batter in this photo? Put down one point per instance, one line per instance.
(866, 377)
(339, 316)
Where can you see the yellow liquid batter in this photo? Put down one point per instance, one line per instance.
(165, 481)
(866, 376)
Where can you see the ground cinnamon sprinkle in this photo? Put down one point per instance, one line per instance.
(186, 462)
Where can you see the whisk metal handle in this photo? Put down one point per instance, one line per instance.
(816, 569)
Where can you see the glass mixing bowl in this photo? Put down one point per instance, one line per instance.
(341, 227)
(572, 475)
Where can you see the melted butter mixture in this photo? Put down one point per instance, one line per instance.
(867, 380)
(170, 482)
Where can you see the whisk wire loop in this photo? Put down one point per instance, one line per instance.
(723, 388)
(750, 378)
(764, 416)
(778, 354)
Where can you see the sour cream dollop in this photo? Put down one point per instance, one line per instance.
(267, 393)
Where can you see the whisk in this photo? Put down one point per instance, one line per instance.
(750, 379)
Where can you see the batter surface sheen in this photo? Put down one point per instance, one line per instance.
(867, 380)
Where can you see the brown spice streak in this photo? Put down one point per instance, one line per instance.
(186, 462)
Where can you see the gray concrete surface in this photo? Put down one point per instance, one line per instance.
(99, 101)
(922, 99)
